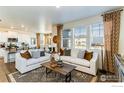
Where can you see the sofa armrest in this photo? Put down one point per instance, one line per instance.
(20, 61)
(94, 58)
(94, 63)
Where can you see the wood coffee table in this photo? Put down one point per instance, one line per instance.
(65, 70)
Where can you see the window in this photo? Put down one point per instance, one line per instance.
(67, 38)
(83, 37)
(97, 33)
(33, 41)
(80, 37)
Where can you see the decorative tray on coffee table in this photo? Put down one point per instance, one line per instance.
(56, 64)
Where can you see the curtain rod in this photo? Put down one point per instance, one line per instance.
(112, 11)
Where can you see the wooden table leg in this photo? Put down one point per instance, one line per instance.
(46, 73)
(68, 77)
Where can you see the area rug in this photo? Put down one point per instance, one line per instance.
(39, 75)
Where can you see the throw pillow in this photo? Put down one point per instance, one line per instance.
(26, 55)
(42, 53)
(35, 54)
(81, 54)
(67, 52)
(88, 55)
(61, 52)
(74, 53)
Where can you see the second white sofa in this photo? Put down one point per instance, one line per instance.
(81, 64)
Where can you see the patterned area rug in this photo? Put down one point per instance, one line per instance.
(39, 75)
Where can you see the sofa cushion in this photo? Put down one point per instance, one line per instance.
(33, 61)
(67, 52)
(74, 52)
(42, 53)
(77, 61)
(81, 54)
(26, 55)
(35, 54)
(88, 55)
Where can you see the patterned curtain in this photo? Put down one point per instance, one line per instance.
(112, 31)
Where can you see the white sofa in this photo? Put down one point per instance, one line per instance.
(24, 65)
(83, 65)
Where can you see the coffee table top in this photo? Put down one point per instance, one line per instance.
(63, 70)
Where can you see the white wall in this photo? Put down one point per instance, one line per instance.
(86, 21)
(121, 39)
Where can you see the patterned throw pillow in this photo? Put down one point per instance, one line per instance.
(26, 55)
(88, 55)
(42, 53)
(81, 54)
(67, 52)
(35, 54)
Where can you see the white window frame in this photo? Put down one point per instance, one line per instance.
(91, 33)
(83, 36)
(88, 36)
(66, 38)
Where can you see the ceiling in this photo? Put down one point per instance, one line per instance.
(36, 18)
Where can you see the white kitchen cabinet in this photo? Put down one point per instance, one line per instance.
(3, 36)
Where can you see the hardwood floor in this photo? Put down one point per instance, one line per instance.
(6, 68)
